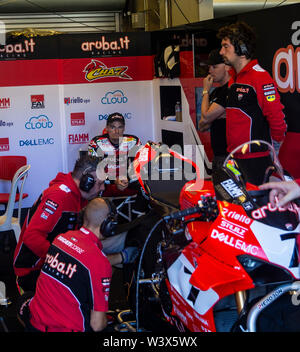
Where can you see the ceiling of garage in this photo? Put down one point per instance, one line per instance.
(221, 7)
(102, 15)
(13, 6)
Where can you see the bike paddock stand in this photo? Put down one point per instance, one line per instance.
(126, 321)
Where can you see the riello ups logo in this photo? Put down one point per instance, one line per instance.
(97, 70)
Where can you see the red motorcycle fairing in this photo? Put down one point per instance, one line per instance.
(208, 269)
(193, 304)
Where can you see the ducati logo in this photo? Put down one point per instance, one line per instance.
(97, 70)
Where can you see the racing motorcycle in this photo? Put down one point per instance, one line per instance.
(219, 257)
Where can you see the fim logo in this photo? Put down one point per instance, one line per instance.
(77, 119)
(37, 101)
(79, 138)
(4, 144)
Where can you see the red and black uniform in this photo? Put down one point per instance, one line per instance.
(74, 280)
(118, 156)
(53, 213)
(253, 111)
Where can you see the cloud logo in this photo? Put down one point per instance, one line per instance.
(116, 97)
(36, 123)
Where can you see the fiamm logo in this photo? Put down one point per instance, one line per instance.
(36, 123)
(115, 97)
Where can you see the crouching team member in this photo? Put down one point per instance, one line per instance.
(53, 213)
(73, 288)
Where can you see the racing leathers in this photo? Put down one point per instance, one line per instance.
(253, 110)
(53, 213)
(117, 159)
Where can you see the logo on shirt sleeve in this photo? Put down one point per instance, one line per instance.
(49, 208)
(269, 92)
(106, 286)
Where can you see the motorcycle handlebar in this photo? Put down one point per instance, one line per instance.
(182, 213)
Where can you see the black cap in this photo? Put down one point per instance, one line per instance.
(214, 58)
(116, 116)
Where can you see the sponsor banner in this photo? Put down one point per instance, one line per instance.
(127, 116)
(78, 138)
(35, 132)
(112, 69)
(29, 72)
(49, 72)
(115, 97)
(36, 142)
(37, 101)
(77, 100)
(77, 46)
(6, 123)
(77, 119)
(29, 48)
(4, 103)
(106, 44)
(38, 123)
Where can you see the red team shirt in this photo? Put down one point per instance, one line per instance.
(253, 110)
(74, 280)
(53, 213)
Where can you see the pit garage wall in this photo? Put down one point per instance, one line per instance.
(56, 94)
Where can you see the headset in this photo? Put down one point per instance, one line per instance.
(108, 226)
(87, 181)
(241, 49)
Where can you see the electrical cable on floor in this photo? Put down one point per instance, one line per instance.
(138, 273)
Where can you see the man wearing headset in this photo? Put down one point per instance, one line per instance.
(55, 212)
(253, 110)
(72, 290)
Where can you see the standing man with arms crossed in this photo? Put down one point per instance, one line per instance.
(254, 110)
(213, 107)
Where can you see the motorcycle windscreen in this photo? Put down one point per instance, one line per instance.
(166, 175)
